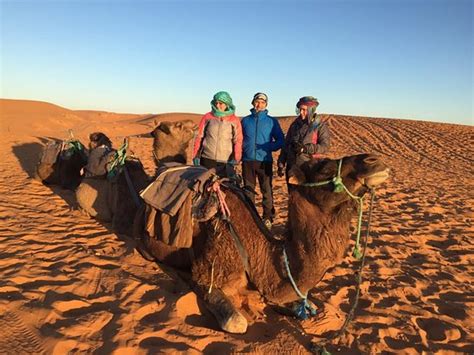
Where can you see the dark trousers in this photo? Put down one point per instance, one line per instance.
(263, 171)
(222, 169)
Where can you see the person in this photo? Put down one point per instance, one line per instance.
(218, 143)
(262, 136)
(308, 137)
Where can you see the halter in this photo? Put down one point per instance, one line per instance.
(339, 187)
(304, 309)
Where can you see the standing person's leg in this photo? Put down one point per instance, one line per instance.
(264, 174)
(250, 178)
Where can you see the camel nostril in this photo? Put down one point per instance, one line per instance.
(371, 160)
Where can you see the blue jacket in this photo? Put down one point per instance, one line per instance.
(262, 136)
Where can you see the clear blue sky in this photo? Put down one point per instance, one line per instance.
(382, 58)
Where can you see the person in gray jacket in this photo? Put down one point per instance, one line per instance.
(308, 137)
(218, 143)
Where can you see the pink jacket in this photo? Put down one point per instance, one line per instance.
(219, 138)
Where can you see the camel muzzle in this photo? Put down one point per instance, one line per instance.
(377, 178)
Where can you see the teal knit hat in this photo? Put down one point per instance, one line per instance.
(224, 97)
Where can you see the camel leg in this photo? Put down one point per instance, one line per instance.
(228, 317)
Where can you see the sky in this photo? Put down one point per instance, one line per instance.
(408, 59)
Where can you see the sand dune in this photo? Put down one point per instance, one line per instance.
(69, 283)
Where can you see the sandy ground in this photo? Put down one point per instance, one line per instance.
(70, 284)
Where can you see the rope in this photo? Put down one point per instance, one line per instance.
(350, 315)
(293, 283)
(304, 309)
(339, 187)
(212, 276)
(221, 197)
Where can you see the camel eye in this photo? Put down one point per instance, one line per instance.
(370, 160)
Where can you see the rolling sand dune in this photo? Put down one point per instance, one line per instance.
(69, 283)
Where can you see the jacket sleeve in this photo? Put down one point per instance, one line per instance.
(324, 139)
(286, 146)
(277, 136)
(199, 136)
(237, 139)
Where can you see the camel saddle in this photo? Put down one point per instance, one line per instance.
(177, 192)
(98, 160)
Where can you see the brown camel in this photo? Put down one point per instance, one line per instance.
(114, 200)
(319, 226)
(61, 164)
(171, 141)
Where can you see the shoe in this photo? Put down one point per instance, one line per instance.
(268, 223)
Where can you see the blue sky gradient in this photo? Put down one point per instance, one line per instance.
(402, 59)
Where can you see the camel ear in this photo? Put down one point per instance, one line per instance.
(296, 176)
(164, 127)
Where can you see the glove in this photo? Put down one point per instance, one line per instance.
(196, 161)
(309, 148)
(280, 171)
(297, 147)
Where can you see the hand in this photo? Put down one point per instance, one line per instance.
(196, 161)
(280, 171)
(308, 148)
(297, 147)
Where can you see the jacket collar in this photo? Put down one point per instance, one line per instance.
(259, 114)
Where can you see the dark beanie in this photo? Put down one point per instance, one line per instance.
(260, 96)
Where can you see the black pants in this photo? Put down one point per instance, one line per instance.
(222, 169)
(251, 170)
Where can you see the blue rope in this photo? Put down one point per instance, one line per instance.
(303, 310)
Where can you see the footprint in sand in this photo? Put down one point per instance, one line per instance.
(17, 338)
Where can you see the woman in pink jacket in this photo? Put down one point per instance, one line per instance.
(218, 143)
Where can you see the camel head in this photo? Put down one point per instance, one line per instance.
(171, 139)
(97, 139)
(359, 173)
(184, 130)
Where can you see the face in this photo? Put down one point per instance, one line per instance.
(221, 106)
(259, 105)
(304, 111)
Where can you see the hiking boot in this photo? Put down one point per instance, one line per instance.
(268, 223)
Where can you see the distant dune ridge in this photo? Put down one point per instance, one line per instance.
(69, 283)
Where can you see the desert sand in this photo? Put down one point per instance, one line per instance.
(70, 284)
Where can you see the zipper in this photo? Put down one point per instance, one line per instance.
(256, 129)
(218, 135)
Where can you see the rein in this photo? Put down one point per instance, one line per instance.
(322, 348)
(304, 309)
(339, 187)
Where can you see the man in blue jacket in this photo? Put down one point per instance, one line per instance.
(262, 135)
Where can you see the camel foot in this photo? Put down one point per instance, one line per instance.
(227, 316)
(235, 324)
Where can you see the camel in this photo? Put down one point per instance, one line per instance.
(223, 263)
(171, 140)
(114, 200)
(61, 164)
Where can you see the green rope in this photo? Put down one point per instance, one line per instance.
(340, 187)
(321, 349)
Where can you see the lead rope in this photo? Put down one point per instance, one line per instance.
(322, 348)
(304, 309)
